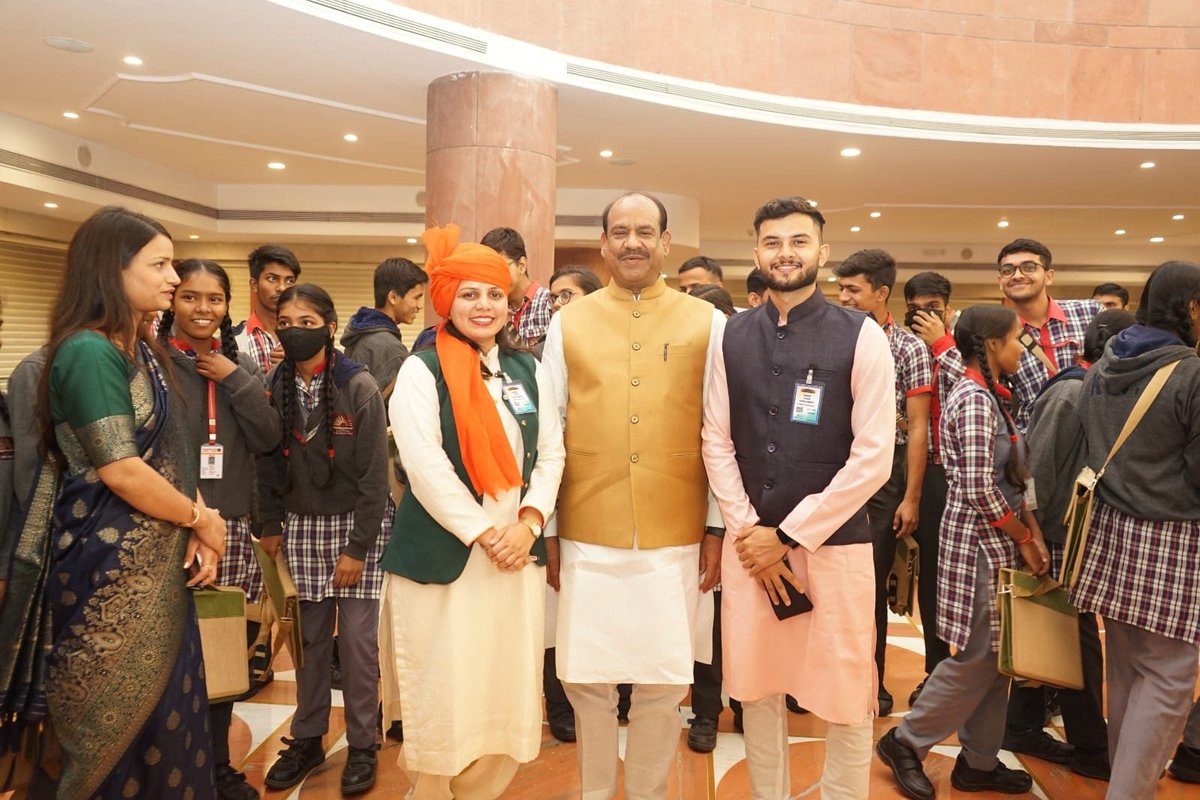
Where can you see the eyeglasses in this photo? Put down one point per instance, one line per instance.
(563, 296)
(1026, 267)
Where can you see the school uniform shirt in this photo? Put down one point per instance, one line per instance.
(914, 370)
(257, 341)
(975, 447)
(1140, 566)
(1061, 338)
(321, 522)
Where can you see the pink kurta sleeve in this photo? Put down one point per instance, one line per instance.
(873, 420)
(724, 478)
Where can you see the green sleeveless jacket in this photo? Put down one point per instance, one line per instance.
(422, 550)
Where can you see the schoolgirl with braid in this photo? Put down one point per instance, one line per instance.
(230, 422)
(323, 495)
(986, 526)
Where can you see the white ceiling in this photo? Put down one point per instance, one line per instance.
(228, 85)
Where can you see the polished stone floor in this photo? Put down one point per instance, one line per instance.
(258, 724)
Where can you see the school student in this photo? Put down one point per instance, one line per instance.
(324, 493)
(230, 422)
(986, 526)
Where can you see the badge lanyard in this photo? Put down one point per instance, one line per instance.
(806, 403)
(212, 455)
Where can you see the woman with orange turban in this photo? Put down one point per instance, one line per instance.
(464, 595)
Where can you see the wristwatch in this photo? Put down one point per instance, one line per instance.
(535, 528)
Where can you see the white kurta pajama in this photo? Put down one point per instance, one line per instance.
(630, 616)
(468, 654)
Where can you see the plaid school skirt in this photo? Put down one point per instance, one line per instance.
(312, 544)
(240, 567)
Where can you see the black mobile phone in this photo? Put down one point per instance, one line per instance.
(800, 603)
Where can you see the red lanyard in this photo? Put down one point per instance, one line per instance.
(212, 412)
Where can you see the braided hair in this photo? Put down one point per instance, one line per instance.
(974, 328)
(185, 268)
(320, 302)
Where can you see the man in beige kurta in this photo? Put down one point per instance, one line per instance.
(629, 363)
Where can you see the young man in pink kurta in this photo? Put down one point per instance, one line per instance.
(798, 434)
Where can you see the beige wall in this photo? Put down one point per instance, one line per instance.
(1110, 60)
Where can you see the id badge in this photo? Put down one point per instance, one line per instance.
(517, 398)
(212, 458)
(806, 404)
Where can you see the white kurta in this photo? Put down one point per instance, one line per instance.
(629, 616)
(468, 655)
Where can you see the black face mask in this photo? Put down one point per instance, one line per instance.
(301, 344)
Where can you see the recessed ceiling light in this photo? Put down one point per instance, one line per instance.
(876, 214)
(1119, 231)
(1156, 239)
(1147, 165)
(70, 115)
(831, 279)
(1002, 223)
(851, 152)
(606, 153)
(411, 240)
(351, 137)
(132, 61)
(855, 229)
(50, 205)
(193, 236)
(67, 44)
(276, 165)
(1177, 217)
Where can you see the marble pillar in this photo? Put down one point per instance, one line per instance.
(490, 159)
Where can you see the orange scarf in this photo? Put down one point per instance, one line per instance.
(486, 453)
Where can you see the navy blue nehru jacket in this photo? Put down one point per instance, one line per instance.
(783, 461)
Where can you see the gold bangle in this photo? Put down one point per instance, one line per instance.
(195, 516)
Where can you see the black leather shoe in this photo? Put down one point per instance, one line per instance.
(886, 702)
(1185, 766)
(794, 706)
(231, 784)
(905, 766)
(396, 730)
(1091, 764)
(1038, 744)
(359, 773)
(702, 735)
(562, 724)
(912, 698)
(1001, 779)
(294, 763)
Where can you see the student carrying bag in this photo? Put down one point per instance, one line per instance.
(1079, 513)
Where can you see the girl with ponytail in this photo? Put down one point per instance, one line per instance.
(323, 494)
(229, 422)
(986, 526)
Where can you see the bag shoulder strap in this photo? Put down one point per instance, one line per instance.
(1139, 410)
(1035, 347)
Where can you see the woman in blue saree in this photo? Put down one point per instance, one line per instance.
(109, 648)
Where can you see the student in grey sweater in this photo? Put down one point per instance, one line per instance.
(1139, 568)
(324, 492)
(230, 422)
(1057, 450)
(373, 336)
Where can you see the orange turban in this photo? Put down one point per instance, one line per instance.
(483, 443)
(450, 262)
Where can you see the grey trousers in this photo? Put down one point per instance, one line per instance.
(1151, 681)
(966, 692)
(1191, 731)
(358, 646)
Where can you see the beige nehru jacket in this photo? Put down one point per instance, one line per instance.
(635, 372)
